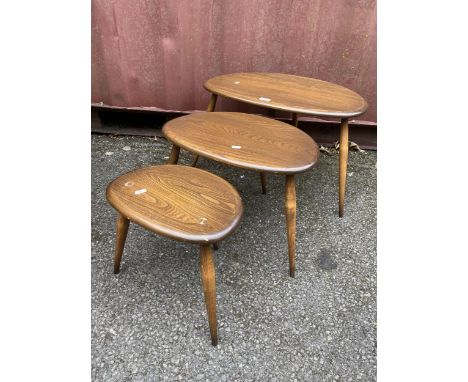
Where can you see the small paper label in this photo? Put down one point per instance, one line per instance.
(264, 99)
(142, 191)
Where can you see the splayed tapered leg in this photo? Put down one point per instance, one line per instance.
(210, 108)
(263, 180)
(174, 157)
(343, 164)
(208, 276)
(294, 119)
(121, 235)
(212, 103)
(290, 206)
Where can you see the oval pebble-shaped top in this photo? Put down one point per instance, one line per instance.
(180, 202)
(244, 140)
(288, 92)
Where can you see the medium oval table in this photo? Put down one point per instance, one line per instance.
(298, 95)
(251, 142)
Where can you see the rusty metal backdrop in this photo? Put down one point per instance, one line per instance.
(156, 53)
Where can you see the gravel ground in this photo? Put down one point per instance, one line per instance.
(149, 322)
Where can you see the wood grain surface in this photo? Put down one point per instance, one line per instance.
(211, 107)
(120, 236)
(290, 93)
(208, 276)
(183, 203)
(244, 140)
(343, 164)
(290, 211)
(174, 157)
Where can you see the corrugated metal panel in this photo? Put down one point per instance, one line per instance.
(159, 53)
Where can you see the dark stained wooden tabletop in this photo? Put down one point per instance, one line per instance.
(244, 140)
(180, 202)
(290, 93)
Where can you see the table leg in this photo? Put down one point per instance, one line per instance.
(174, 157)
(210, 108)
(209, 287)
(121, 235)
(263, 180)
(212, 103)
(294, 119)
(343, 163)
(290, 206)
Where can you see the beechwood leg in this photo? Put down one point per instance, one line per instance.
(174, 157)
(290, 207)
(294, 119)
(210, 108)
(263, 181)
(343, 164)
(209, 288)
(121, 235)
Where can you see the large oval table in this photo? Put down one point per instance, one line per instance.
(298, 95)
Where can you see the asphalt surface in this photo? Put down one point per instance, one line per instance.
(149, 322)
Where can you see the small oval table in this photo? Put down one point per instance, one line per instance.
(251, 142)
(299, 95)
(184, 204)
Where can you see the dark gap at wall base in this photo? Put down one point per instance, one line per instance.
(149, 124)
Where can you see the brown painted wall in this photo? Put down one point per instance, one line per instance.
(159, 53)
